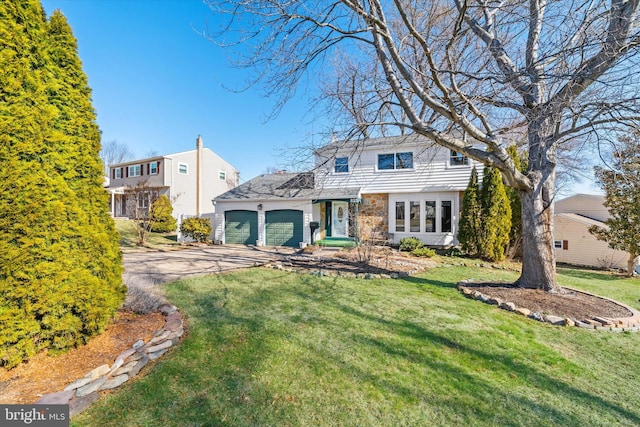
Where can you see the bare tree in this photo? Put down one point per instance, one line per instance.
(139, 199)
(556, 70)
(114, 152)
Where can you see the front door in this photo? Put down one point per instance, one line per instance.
(340, 219)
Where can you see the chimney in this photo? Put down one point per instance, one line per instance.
(198, 173)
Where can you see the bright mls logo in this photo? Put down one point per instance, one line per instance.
(34, 415)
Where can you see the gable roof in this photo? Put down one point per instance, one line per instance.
(581, 219)
(283, 186)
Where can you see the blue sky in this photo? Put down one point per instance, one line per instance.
(158, 84)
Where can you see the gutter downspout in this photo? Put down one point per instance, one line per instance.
(198, 173)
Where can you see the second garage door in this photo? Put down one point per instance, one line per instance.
(284, 228)
(241, 227)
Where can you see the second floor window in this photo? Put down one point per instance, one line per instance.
(395, 161)
(134, 170)
(458, 159)
(117, 173)
(153, 168)
(183, 168)
(342, 165)
(222, 175)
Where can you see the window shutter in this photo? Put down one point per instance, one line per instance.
(158, 166)
(113, 174)
(148, 168)
(126, 171)
(565, 245)
(142, 170)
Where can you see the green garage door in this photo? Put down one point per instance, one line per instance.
(241, 227)
(284, 228)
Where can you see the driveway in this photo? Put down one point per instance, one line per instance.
(162, 267)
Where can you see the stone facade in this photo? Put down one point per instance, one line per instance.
(373, 216)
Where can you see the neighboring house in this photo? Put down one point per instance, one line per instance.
(382, 188)
(572, 240)
(191, 179)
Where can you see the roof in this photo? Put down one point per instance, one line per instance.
(387, 141)
(582, 219)
(167, 156)
(284, 186)
(597, 197)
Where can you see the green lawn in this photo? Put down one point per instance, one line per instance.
(129, 238)
(269, 348)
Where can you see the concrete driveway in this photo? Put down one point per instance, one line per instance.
(162, 267)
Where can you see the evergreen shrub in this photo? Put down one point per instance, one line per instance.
(423, 252)
(409, 244)
(161, 219)
(197, 229)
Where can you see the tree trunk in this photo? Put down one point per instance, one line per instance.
(632, 263)
(538, 253)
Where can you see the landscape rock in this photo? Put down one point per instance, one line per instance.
(77, 384)
(157, 354)
(173, 325)
(554, 320)
(59, 398)
(509, 306)
(126, 368)
(162, 346)
(79, 404)
(137, 344)
(91, 387)
(115, 382)
(98, 372)
(136, 369)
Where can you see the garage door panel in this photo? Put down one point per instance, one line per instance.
(284, 227)
(241, 227)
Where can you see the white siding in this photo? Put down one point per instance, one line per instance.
(582, 247)
(431, 171)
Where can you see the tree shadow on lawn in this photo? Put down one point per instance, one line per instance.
(586, 274)
(500, 362)
(256, 349)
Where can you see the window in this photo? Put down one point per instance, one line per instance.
(399, 216)
(414, 217)
(430, 216)
(153, 168)
(341, 165)
(445, 216)
(395, 161)
(561, 244)
(143, 200)
(183, 168)
(135, 170)
(222, 175)
(117, 173)
(458, 159)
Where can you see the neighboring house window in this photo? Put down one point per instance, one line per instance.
(458, 159)
(117, 173)
(134, 170)
(395, 161)
(399, 216)
(153, 168)
(430, 216)
(561, 244)
(445, 216)
(342, 165)
(222, 175)
(414, 217)
(183, 168)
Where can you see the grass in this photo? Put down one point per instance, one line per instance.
(129, 238)
(269, 348)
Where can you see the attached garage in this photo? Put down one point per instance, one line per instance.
(284, 227)
(241, 227)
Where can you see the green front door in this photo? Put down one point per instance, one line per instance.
(284, 228)
(241, 227)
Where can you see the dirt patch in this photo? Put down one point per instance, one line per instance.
(45, 374)
(569, 304)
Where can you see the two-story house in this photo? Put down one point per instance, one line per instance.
(381, 188)
(191, 179)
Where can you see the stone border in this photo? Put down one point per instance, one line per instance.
(80, 394)
(622, 324)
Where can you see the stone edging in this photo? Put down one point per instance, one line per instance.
(80, 394)
(622, 324)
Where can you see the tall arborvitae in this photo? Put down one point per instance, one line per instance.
(53, 292)
(469, 226)
(496, 216)
(75, 135)
(515, 234)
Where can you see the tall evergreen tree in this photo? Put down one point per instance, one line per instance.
(496, 216)
(55, 291)
(515, 234)
(469, 227)
(621, 185)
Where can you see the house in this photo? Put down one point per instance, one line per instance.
(572, 240)
(382, 188)
(191, 179)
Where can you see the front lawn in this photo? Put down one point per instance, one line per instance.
(129, 238)
(269, 348)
